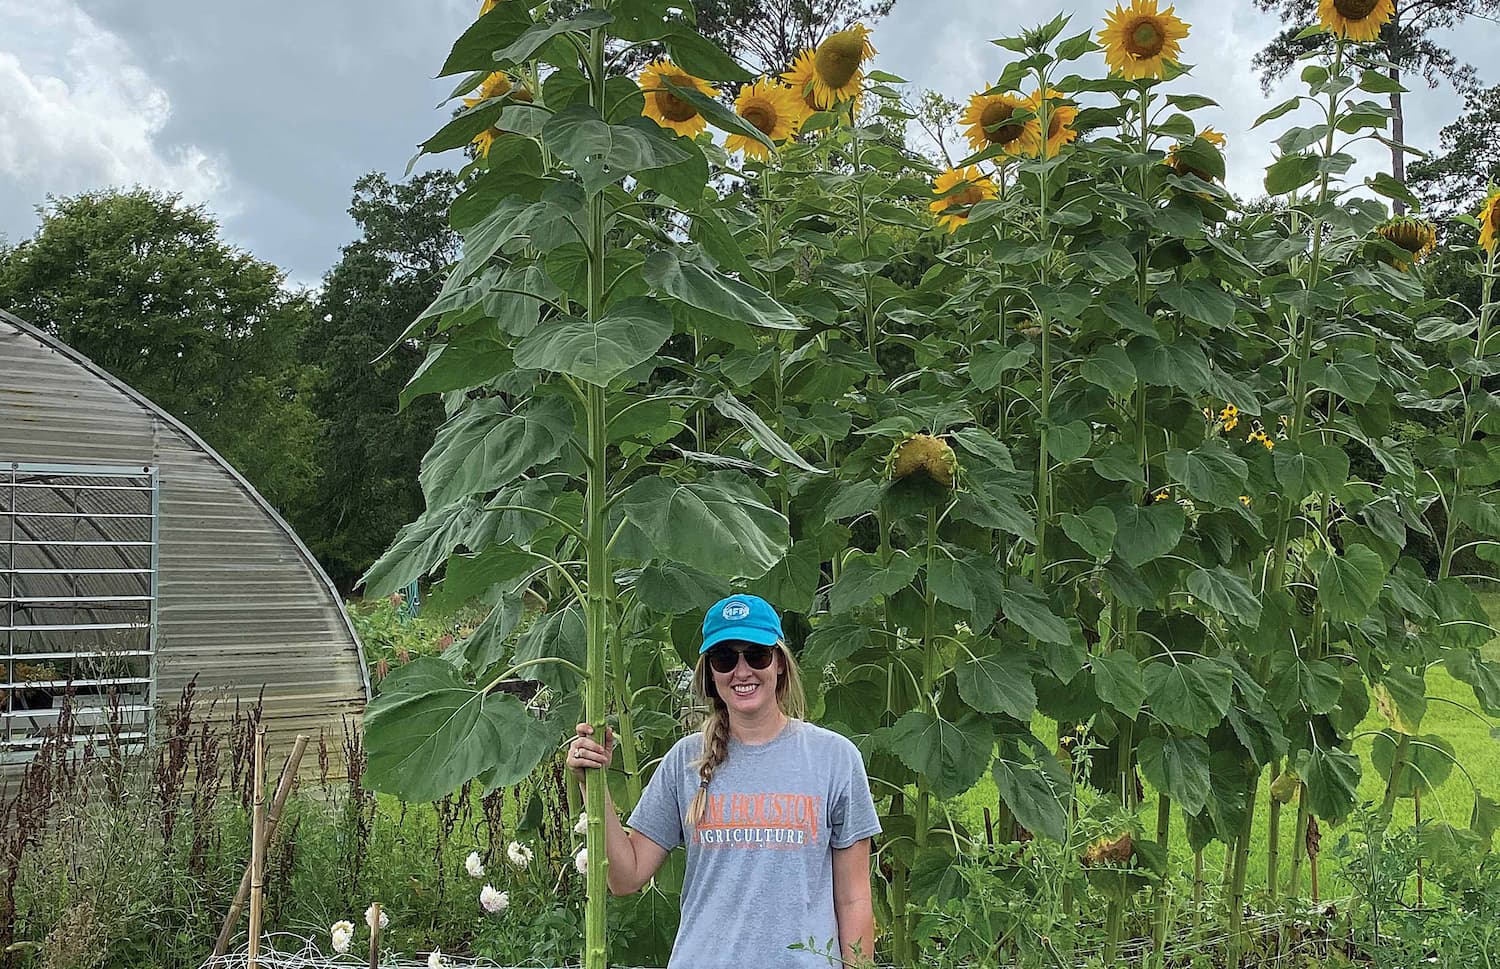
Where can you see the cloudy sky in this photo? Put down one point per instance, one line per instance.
(268, 111)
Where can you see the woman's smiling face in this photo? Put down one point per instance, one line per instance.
(748, 692)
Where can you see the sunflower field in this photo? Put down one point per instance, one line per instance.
(1074, 476)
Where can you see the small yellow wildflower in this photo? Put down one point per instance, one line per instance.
(1245, 500)
(1162, 495)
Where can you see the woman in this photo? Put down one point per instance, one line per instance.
(776, 813)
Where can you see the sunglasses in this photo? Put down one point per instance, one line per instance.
(724, 659)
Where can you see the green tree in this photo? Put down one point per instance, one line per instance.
(1408, 43)
(369, 447)
(143, 285)
(1456, 179)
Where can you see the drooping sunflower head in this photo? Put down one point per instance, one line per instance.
(992, 121)
(924, 455)
(1356, 20)
(958, 190)
(1489, 223)
(1060, 117)
(1138, 40)
(838, 65)
(1416, 236)
(662, 103)
(497, 85)
(773, 109)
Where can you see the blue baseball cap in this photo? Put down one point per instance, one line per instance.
(741, 617)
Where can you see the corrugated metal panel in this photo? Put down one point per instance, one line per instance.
(242, 603)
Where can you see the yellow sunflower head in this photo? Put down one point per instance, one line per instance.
(1356, 20)
(958, 190)
(497, 85)
(838, 65)
(662, 103)
(1415, 236)
(992, 121)
(1060, 117)
(1138, 40)
(487, 6)
(773, 109)
(1489, 223)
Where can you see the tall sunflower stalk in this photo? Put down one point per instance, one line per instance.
(1139, 43)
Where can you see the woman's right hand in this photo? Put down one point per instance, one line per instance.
(584, 753)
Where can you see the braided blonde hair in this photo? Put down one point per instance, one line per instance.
(789, 697)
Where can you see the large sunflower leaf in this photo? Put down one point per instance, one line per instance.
(1425, 764)
(604, 153)
(1178, 766)
(429, 731)
(475, 49)
(864, 577)
(952, 755)
(1146, 533)
(1190, 694)
(715, 293)
(1332, 778)
(731, 407)
(1118, 681)
(1222, 590)
(1349, 584)
(1210, 472)
(1035, 787)
(671, 587)
(721, 524)
(1026, 607)
(998, 680)
(556, 635)
(597, 351)
(1314, 468)
(532, 40)
(484, 447)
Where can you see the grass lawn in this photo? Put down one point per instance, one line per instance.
(1451, 713)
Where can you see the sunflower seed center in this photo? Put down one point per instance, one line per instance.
(998, 128)
(1355, 9)
(674, 108)
(970, 196)
(838, 58)
(762, 115)
(1146, 38)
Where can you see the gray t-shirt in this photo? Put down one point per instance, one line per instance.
(760, 864)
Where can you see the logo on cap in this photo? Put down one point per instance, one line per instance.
(736, 610)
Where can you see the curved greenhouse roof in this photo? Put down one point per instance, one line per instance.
(133, 559)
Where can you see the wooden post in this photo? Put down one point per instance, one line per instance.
(258, 847)
(375, 935)
(273, 821)
(1314, 840)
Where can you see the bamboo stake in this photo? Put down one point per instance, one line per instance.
(258, 847)
(374, 935)
(273, 821)
(1416, 794)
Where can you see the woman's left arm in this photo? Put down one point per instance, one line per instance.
(851, 903)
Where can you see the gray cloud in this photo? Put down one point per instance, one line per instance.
(269, 111)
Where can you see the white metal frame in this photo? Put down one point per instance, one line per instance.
(14, 601)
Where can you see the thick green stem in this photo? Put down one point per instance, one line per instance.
(1237, 938)
(1273, 839)
(1299, 843)
(629, 756)
(595, 947)
(900, 930)
(1043, 462)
